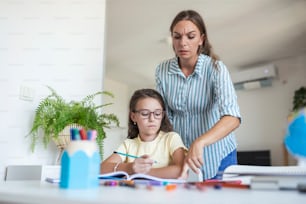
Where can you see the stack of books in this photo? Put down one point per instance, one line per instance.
(269, 177)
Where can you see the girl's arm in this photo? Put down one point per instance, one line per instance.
(109, 164)
(114, 163)
(173, 170)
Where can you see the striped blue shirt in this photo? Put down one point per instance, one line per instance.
(195, 103)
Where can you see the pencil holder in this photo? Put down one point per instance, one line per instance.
(80, 165)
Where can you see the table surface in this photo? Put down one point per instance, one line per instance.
(43, 192)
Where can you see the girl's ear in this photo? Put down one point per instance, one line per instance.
(133, 116)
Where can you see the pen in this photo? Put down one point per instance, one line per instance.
(129, 155)
(83, 134)
(215, 181)
(89, 134)
(93, 135)
(235, 185)
(74, 134)
(226, 184)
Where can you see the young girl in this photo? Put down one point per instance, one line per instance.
(160, 151)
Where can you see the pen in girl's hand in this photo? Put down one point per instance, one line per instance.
(127, 155)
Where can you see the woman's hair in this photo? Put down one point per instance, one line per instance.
(142, 94)
(196, 19)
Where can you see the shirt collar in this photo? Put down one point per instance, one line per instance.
(198, 71)
(160, 133)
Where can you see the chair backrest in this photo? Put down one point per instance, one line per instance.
(20, 172)
(31, 172)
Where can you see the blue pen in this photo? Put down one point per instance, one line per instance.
(129, 155)
(74, 134)
(89, 134)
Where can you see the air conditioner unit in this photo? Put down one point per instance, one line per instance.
(255, 77)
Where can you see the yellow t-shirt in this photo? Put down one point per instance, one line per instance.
(160, 149)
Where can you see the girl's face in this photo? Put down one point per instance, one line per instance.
(186, 39)
(148, 116)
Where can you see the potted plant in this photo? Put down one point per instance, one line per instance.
(54, 114)
(299, 99)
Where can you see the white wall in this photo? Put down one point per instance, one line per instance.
(120, 101)
(115, 135)
(57, 43)
(264, 111)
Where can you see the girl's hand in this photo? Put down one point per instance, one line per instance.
(143, 164)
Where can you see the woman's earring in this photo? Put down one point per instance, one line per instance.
(134, 123)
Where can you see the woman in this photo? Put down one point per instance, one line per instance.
(200, 98)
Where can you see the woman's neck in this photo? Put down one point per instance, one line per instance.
(188, 65)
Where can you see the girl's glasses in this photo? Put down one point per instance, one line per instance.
(145, 114)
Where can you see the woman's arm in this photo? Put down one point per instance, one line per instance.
(222, 128)
(144, 164)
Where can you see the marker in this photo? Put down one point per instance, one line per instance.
(89, 134)
(77, 134)
(129, 155)
(170, 187)
(127, 184)
(83, 134)
(226, 184)
(93, 135)
(215, 181)
(234, 185)
(74, 134)
(157, 183)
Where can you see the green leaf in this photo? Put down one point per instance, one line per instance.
(53, 114)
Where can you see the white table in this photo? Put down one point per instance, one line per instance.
(41, 192)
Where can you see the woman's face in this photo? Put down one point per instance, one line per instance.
(186, 39)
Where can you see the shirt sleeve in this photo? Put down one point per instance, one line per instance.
(225, 92)
(175, 142)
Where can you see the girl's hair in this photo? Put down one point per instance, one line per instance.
(196, 19)
(142, 94)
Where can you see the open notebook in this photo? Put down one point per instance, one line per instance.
(122, 175)
(192, 177)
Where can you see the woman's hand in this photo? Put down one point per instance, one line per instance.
(143, 164)
(194, 157)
